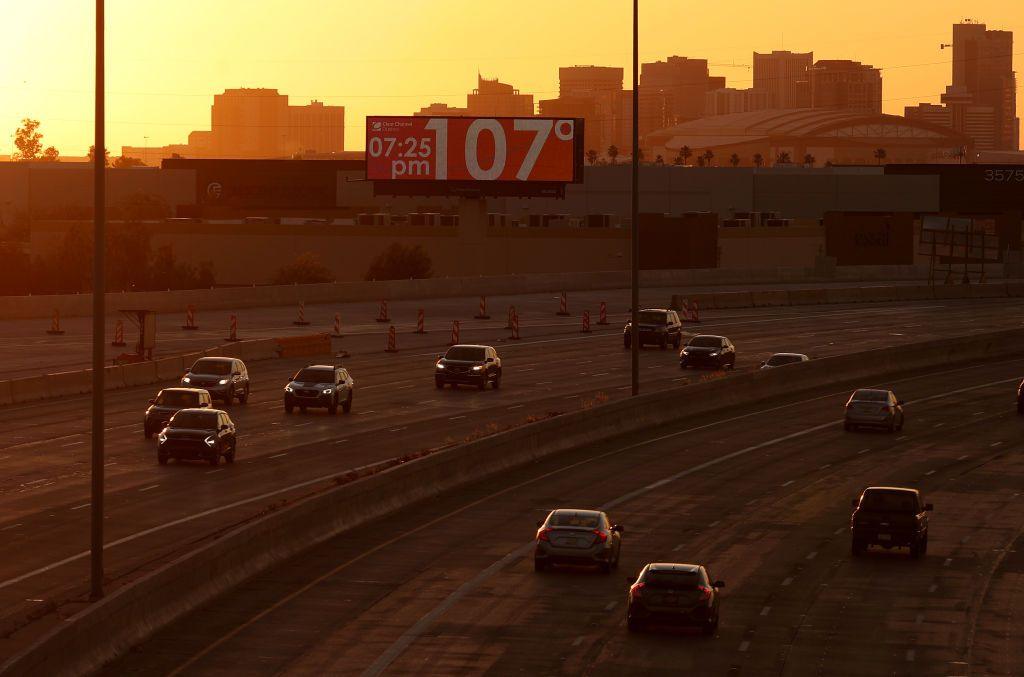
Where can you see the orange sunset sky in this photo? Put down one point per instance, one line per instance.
(167, 58)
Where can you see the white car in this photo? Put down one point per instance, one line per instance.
(782, 359)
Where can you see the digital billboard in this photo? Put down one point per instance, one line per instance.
(474, 151)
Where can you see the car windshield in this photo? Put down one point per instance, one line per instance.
(588, 520)
(888, 501)
(467, 353)
(871, 395)
(779, 360)
(215, 367)
(705, 342)
(315, 376)
(652, 317)
(199, 420)
(177, 398)
(677, 580)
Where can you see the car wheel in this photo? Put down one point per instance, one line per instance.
(632, 624)
(438, 383)
(230, 396)
(1020, 407)
(892, 426)
(230, 456)
(332, 408)
(289, 408)
(215, 459)
(539, 565)
(161, 459)
(483, 383)
(347, 405)
(857, 548)
(244, 397)
(302, 409)
(618, 556)
(496, 383)
(147, 433)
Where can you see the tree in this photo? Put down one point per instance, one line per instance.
(106, 155)
(700, 160)
(658, 160)
(400, 262)
(29, 142)
(809, 160)
(880, 155)
(613, 152)
(678, 160)
(305, 268)
(592, 156)
(123, 161)
(708, 157)
(686, 153)
(758, 160)
(783, 158)
(734, 160)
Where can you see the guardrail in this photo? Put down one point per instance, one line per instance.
(101, 632)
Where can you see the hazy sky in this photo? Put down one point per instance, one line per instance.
(166, 58)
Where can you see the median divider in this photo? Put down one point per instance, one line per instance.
(140, 373)
(169, 368)
(769, 297)
(68, 383)
(914, 293)
(843, 295)
(301, 346)
(29, 389)
(807, 297)
(878, 294)
(113, 377)
(126, 617)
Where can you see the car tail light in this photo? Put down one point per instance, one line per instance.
(542, 535)
(601, 536)
(705, 592)
(634, 590)
(885, 408)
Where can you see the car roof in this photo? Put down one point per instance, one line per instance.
(468, 345)
(320, 366)
(788, 355)
(183, 390)
(217, 359)
(871, 390)
(575, 511)
(673, 566)
(716, 336)
(654, 310)
(893, 489)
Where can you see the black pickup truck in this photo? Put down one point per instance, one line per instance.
(892, 517)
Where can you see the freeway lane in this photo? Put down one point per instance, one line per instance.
(760, 495)
(155, 512)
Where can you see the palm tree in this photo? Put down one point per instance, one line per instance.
(592, 156)
(700, 161)
(758, 160)
(678, 160)
(613, 152)
(708, 157)
(686, 153)
(783, 158)
(658, 160)
(880, 155)
(734, 160)
(809, 160)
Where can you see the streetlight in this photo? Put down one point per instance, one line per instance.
(634, 343)
(98, 314)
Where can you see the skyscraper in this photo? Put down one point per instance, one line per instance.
(843, 85)
(673, 91)
(492, 98)
(784, 75)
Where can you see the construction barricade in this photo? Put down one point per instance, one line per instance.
(392, 343)
(55, 329)
(382, 312)
(481, 313)
(301, 320)
(190, 318)
(118, 341)
(337, 326)
(563, 305)
(586, 322)
(602, 313)
(420, 322)
(455, 333)
(232, 329)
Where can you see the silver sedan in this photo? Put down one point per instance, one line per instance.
(577, 537)
(873, 408)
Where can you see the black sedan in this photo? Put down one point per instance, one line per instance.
(198, 435)
(673, 594)
(469, 365)
(706, 350)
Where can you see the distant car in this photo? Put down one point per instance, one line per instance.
(170, 401)
(469, 365)
(868, 407)
(782, 359)
(655, 325)
(891, 517)
(1020, 398)
(226, 378)
(198, 435)
(580, 537)
(320, 385)
(673, 594)
(706, 350)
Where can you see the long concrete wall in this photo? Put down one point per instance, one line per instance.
(125, 618)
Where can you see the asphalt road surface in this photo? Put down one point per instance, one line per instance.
(153, 512)
(760, 495)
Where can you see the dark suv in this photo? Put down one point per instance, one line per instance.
(320, 385)
(471, 365)
(655, 325)
(170, 401)
(198, 435)
(891, 517)
(708, 351)
(226, 378)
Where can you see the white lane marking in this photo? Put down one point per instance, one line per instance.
(610, 606)
(929, 473)
(13, 526)
(938, 425)
(827, 465)
(150, 487)
(516, 406)
(864, 451)
(714, 524)
(995, 444)
(901, 438)
(398, 430)
(910, 655)
(427, 402)
(107, 465)
(601, 373)
(744, 645)
(84, 505)
(543, 383)
(949, 560)
(964, 457)
(364, 413)
(812, 555)
(456, 418)
(571, 397)
(677, 548)
(787, 581)
(283, 453)
(210, 472)
(839, 530)
(624, 387)
(411, 385)
(932, 587)
(766, 610)
(303, 425)
(578, 640)
(29, 484)
(787, 483)
(72, 444)
(340, 441)
(978, 413)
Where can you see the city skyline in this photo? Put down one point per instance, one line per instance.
(158, 96)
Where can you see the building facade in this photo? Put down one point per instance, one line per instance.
(673, 91)
(841, 84)
(492, 98)
(785, 77)
(729, 100)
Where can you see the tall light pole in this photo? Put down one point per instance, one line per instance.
(634, 342)
(98, 313)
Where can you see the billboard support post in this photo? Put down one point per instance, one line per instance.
(98, 316)
(634, 344)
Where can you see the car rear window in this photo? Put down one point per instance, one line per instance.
(195, 419)
(779, 360)
(705, 342)
(314, 376)
(653, 317)
(676, 580)
(468, 353)
(888, 501)
(871, 395)
(215, 367)
(177, 398)
(574, 519)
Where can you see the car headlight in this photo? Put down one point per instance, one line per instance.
(210, 441)
(186, 379)
(714, 354)
(288, 389)
(328, 391)
(686, 351)
(161, 438)
(223, 382)
(440, 366)
(477, 368)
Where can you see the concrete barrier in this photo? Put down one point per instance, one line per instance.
(69, 383)
(128, 616)
(952, 291)
(843, 295)
(140, 373)
(988, 291)
(29, 389)
(188, 359)
(914, 292)
(5, 393)
(113, 377)
(772, 297)
(725, 300)
(807, 297)
(169, 368)
(879, 294)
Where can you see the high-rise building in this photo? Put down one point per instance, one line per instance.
(601, 85)
(729, 100)
(784, 76)
(843, 85)
(673, 91)
(441, 109)
(492, 98)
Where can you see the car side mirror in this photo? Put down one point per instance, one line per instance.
(619, 528)
(929, 507)
(718, 584)
(203, 404)
(854, 503)
(762, 364)
(899, 403)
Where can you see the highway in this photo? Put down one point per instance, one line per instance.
(759, 494)
(154, 513)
